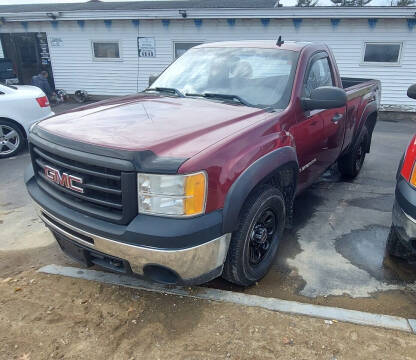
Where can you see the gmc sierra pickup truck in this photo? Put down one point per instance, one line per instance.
(195, 177)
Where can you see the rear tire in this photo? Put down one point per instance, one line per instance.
(11, 139)
(351, 163)
(254, 245)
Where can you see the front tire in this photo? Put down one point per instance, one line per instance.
(254, 245)
(11, 139)
(351, 163)
(395, 248)
(392, 242)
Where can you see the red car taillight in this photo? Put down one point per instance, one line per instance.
(409, 163)
(43, 101)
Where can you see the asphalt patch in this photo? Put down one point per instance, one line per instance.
(380, 203)
(365, 248)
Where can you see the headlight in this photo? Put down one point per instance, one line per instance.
(172, 195)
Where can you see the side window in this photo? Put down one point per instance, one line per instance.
(319, 75)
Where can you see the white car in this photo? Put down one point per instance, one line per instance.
(20, 107)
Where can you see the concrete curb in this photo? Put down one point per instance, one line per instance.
(291, 307)
(396, 115)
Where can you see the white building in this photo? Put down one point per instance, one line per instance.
(94, 46)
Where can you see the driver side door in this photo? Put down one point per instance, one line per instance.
(310, 135)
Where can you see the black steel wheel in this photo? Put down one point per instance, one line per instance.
(262, 235)
(255, 243)
(351, 163)
(360, 155)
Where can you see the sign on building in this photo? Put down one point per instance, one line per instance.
(44, 49)
(146, 46)
(56, 42)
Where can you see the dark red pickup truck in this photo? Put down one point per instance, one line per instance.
(196, 177)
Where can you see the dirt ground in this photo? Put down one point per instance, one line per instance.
(50, 317)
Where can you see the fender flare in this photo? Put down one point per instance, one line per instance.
(249, 178)
(369, 109)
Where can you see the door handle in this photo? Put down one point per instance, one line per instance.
(337, 118)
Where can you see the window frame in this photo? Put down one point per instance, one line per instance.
(315, 57)
(99, 59)
(375, 63)
(174, 42)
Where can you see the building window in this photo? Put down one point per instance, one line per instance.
(106, 50)
(181, 48)
(382, 53)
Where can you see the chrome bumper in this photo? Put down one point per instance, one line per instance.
(190, 263)
(404, 223)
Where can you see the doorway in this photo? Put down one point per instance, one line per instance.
(29, 53)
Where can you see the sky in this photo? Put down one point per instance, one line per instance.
(284, 2)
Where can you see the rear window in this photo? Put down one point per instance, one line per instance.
(263, 69)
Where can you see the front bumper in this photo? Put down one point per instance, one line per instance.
(166, 250)
(191, 265)
(405, 227)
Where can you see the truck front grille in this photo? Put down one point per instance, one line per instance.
(107, 193)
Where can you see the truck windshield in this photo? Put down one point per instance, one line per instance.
(257, 77)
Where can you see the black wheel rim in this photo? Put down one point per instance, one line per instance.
(359, 156)
(262, 234)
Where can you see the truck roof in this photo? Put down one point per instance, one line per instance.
(262, 44)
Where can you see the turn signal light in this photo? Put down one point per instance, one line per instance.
(195, 194)
(409, 163)
(413, 177)
(43, 101)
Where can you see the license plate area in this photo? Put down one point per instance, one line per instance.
(89, 257)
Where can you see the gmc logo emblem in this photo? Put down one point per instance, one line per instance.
(63, 179)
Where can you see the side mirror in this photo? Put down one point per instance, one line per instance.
(152, 79)
(411, 91)
(325, 97)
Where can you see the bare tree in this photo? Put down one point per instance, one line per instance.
(404, 3)
(306, 3)
(351, 3)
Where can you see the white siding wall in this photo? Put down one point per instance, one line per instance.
(74, 67)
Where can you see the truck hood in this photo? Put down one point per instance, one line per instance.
(167, 126)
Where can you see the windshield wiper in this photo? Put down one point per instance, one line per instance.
(222, 96)
(166, 90)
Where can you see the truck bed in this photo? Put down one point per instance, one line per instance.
(348, 82)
